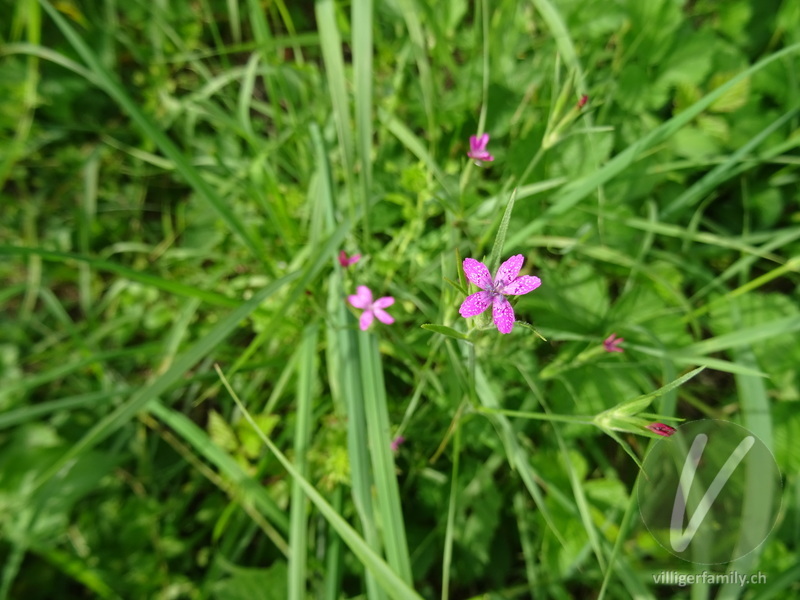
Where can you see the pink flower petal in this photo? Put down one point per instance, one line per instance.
(365, 320)
(362, 299)
(481, 155)
(509, 270)
(475, 304)
(522, 285)
(503, 314)
(343, 258)
(384, 302)
(477, 273)
(482, 141)
(383, 316)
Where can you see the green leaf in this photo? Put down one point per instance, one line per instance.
(637, 405)
(500, 239)
(221, 433)
(734, 97)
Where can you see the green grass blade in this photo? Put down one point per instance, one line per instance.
(167, 285)
(244, 488)
(566, 48)
(126, 411)
(362, 70)
(412, 142)
(574, 192)
(722, 172)
(24, 414)
(383, 470)
(744, 336)
(757, 503)
(298, 538)
(390, 582)
(416, 34)
(449, 533)
(344, 375)
(502, 231)
(29, 13)
(331, 46)
(515, 454)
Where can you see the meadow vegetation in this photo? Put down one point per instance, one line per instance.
(192, 402)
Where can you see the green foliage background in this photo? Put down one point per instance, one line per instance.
(176, 182)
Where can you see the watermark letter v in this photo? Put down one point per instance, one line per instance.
(678, 537)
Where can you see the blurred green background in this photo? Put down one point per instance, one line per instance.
(177, 180)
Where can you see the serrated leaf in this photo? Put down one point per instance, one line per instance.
(686, 94)
(714, 126)
(444, 330)
(220, 432)
(251, 443)
(734, 98)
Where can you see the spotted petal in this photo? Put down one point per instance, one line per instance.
(509, 270)
(477, 273)
(522, 285)
(362, 299)
(503, 314)
(475, 304)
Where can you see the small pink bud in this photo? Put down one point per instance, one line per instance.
(612, 342)
(661, 429)
(346, 262)
(477, 149)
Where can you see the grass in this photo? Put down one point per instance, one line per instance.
(188, 408)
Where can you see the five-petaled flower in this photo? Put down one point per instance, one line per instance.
(363, 300)
(493, 291)
(477, 148)
(346, 262)
(612, 342)
(661, 429)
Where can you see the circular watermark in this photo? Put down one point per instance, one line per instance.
(710, 493)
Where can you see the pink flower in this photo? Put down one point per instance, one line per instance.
(396, 443)
(661, 429)
(346, 262)
(582, 102)
(612, 342)
(505, 282)
(477, 148)
(363, 299)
